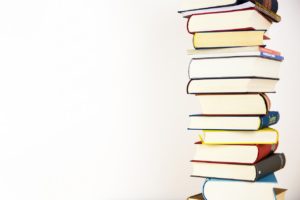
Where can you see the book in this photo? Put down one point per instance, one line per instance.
(234, 154)
(196, 197)
(228, 39)
(263, 189)
(233, 52)
(234, 104)
(250, 173)
(250, 66)
(263, 136)
(197, 8)
(232, 85)
(234, 20)
(189, 5)
(227, 122)
(280, 193)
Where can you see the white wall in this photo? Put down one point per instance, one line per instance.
(93, 103)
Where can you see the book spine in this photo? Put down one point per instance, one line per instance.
(189, 69)
(265, 150)
(188, 86)
(269, 165)
(268, 120)
(187, 26)
(271, 5)
(194, 41)
(203, 188)
(268, 12)
(271, 56)
(267, 101)
(269, 51)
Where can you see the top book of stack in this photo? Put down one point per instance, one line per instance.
(268, 8)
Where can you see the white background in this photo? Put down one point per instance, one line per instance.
(93, 103)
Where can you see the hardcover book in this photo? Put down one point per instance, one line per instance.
(232, 85)
(228, 39)
(240, 172)
(233, 154)
(263, 136)
(224, 21)
(242, 123)
(234, 104)
(233, 52)
(263, 189)
(196, 197)
(279, 195)
(248, 66)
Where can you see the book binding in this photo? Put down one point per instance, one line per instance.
(270, 119)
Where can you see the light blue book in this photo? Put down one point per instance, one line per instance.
(220, 189)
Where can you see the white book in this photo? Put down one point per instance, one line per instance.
(232, 85)
(240, 190)
(234, 67)
(240, 19)
(234, 104)
(189, 8)
(234, 52)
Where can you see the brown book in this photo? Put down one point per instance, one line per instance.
(268, 13)
(196, 197)
(280, 193)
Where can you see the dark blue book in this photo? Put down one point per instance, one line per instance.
(247, 123)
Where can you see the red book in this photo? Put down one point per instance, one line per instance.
(233, 154)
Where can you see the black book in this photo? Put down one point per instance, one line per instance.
(231, 171)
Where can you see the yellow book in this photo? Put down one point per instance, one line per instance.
(263, 136)
(228, 39)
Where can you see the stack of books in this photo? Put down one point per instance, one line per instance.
(231, 71)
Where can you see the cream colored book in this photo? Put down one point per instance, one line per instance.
(240, 19)
(232, 85)
(234, 104)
